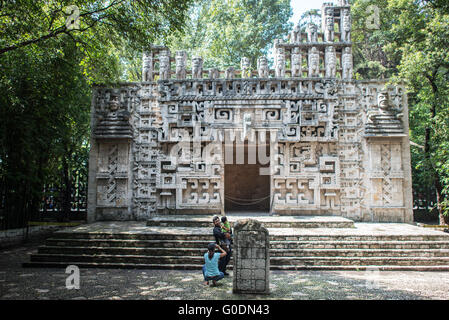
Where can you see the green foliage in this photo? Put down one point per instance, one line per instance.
(103, 27)
(45, 87)
(223, 32)
(412, 46)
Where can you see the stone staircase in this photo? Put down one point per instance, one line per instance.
(296, 243)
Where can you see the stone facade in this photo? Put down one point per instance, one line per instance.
(331, 145)
(251, 258)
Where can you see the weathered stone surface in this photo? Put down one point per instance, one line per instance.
(251, 257)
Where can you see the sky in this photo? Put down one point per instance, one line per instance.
(300, 6)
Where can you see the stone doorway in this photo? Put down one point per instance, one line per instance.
(247, 178)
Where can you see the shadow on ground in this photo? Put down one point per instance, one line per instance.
(39, 283)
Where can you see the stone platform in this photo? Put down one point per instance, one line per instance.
(267, 220)
(386, 246)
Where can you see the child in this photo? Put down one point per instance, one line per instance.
(225, 225)
(226, 228)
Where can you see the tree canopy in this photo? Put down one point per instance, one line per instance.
(223, 32)
(52, 51)
(48, 66)
(411, 46)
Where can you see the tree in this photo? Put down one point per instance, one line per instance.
(45, 87)
(223, 32)
(412, 45)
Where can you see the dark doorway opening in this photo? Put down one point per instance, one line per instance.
(247, 184)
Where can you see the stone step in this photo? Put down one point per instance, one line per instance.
(279, 244)
(136, 245)
(372, 261)
(274, 261)
(268, 221)
(154, 252)
(198, 267)
(207, 236)
(359, 253)
(359, 244)
(128, 243)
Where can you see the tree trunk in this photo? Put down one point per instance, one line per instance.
(437, 183)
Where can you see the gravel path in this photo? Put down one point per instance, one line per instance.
(38, 283)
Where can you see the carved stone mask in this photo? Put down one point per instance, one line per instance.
(245, 62)
(196, 62)
(114, 101)
(180, 60)
(383, 100)
(163, 60)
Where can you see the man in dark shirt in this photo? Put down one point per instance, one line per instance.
(220, 238)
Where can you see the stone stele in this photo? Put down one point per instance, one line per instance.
(251, 257)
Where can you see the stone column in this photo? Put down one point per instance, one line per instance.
(93, 158)
(251, 258)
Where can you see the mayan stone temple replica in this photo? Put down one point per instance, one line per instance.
(301, 138)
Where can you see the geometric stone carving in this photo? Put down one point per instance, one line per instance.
(329, 145)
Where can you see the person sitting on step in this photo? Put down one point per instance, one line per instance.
(210, 267)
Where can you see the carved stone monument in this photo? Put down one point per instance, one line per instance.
(279, 67)
(296, 62)
(262, 67)
(331, 62)
(312, 143)
(147, 67)
(164, 65)
(312, 35)
(181, 60)
(245, 65)
(197, 68)
(346, 61)
(295, 35)
(328, 22)
(345, 26)
(251, 258)
(314, 63)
